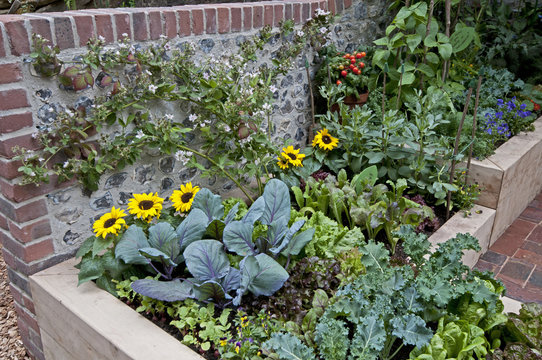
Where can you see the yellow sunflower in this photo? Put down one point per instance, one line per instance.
(109, 223)
(282, 163)
(182, 199)
(293, 156)
(324, 140)
(145, 206)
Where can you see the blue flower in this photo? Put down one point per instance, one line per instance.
(500, 102)
(511, 105)
(498, 115)
(523, 106)
(488, 130)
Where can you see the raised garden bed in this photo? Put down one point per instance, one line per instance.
(510, 178)
(87, 322)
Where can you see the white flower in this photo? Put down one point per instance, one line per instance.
(266, 107)
(323, 30)
(300, 33)
(123, 45)
(148, 72)
(163, 37)
(40, 159)
(35, 135)
(66, 164)
(167, 47)
(183, 156)
(69, 112)
(206, 76)
(124, 35)
(153, 88)
(321, 12)
(140, 134)
(227, 128)
(192, 117)
(273, 88)
(169, 116)
(32, 173)
(101, 38)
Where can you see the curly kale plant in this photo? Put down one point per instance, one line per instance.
(196, 242)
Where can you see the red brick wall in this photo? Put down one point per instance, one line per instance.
(25, 230)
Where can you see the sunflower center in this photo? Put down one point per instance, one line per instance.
(146, 204)
(326, 139)
(292, 156)
(110, 222)
(186, 197)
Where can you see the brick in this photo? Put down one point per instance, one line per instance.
(305, 12)
(493, 257)
(257, 17)
(198, 25)
(20, 193)
(210, 21)
(297, 13)
(278, 11)
(347, 3)
(268, 15)
(485, 266)
(331, 7)
(536, 278)
(170, 24)
(85, 28)
(9, 169)
(10, 73)
(513, 237)
(532, 214)
(42, 27)
(155, 25)
(30, 232)
(24, 213)
(35, 338)
(323, 4)
(140, 26)
(104, 27)
(223, 16)
(532, 247)
(20, 280)
(8, 257)
(6, 146)
(528, 256)
(536, 235)
(14, 122)
(529, 293)
(236, 19)
(27, 252)
(41, 264)
(28, 317)
(13, 99)
(122, 23)
(3, 222)
(64, 32)
(247, 18)
(29, 304)
(2, 42)
(184, 22)
(17, 34)
(516, 271)
(17, 295)
(288, 12)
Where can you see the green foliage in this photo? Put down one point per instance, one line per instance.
(45, 60)
(288, 347)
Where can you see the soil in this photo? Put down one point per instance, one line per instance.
(11, 346)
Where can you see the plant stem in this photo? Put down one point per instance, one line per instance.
(473, 126)
(396, 351)
(456, 146)
(224, 171)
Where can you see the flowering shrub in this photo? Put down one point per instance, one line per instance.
(507, 119)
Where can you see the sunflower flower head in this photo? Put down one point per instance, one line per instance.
(182, 199)
(293, 156)
(282, 163)
(324, 140)
(109, 223)
(145, 206)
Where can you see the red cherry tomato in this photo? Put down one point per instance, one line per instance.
(355, 70)
(344, 73)
(363, 54)
(339, 82)
(347, 55)
(361, 65)
(351, 66)
(352, 61)
(358, 56)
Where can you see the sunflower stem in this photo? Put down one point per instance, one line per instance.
(224, 171)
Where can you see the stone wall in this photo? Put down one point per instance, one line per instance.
(41, 226)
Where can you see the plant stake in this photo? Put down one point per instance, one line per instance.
(313, 125)
(473, 126)
(456, 146)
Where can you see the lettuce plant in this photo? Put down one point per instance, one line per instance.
(195, 242)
